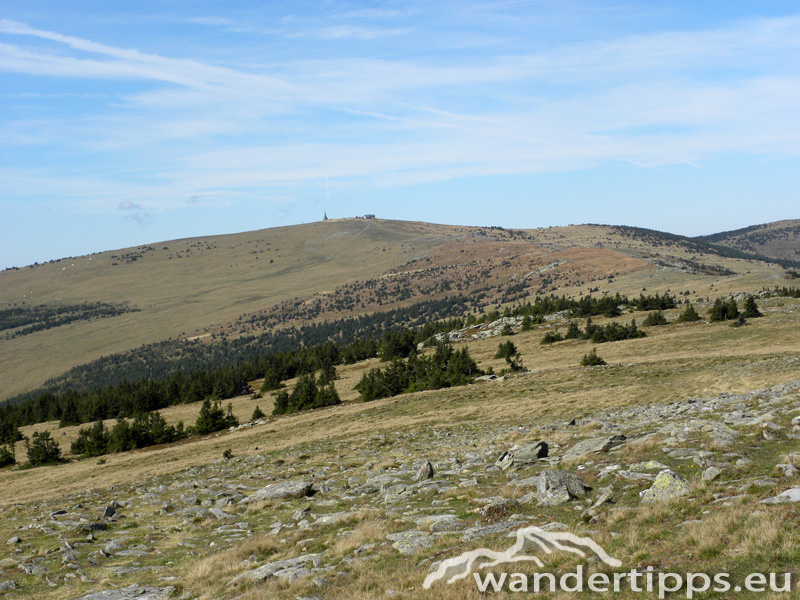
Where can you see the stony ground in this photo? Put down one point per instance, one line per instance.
(699, 484)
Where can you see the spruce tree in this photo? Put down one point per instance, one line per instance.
(689, 315)
(751, 308)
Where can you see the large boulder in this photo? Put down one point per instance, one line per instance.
(594, 445)
(523, 456)
(667, 485)
(281, 490)
(556, 487)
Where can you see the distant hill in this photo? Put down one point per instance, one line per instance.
(778, 240)
(219, 289)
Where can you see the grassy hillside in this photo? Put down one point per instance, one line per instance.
(245, 284)
(780, 239)
(182, 286)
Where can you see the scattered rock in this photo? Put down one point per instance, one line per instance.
(593, 446)
(667, 485)
(281, 490)
(790, 495)
(524, 456)
(132, 592)
(425, 471)
(286, 569)
(556, 487)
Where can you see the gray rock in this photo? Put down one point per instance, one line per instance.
(281, 490)
(556, 487)
(437, 523)
(7, 586)
(711, 474)
(667, 485)
(524, 456)
(650, 465)
(32, 569)
(270, 569)
(425, 471)
(334, 518)
(790, 495)
(594, 446)
(132, 592)
(408, 542)
(788, 470)
(13, 540)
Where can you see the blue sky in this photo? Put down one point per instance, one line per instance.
(123, 123)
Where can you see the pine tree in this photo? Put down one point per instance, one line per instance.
(689, 315)
(42, 449)
(751, 308)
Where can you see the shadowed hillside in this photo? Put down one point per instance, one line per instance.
(777, 240)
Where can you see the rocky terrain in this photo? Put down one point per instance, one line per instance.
(694, 484)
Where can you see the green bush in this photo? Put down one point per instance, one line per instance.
(689, 315)
(506, 349)
(257, 414)
(655, 318)
(42, 449)
(591, 359)
(551, 337)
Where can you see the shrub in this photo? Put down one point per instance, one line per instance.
(257, 414)
(551, 337)
(506, 349)
(507, 329)
(509, 351)
(689, 315)
(42, 449)
(573, 331)
(740, 320)
(7, 456)
(655, 318)
(591, 359)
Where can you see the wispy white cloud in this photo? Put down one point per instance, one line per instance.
(220, 129)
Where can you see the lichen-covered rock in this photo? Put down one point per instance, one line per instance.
(667, 485)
